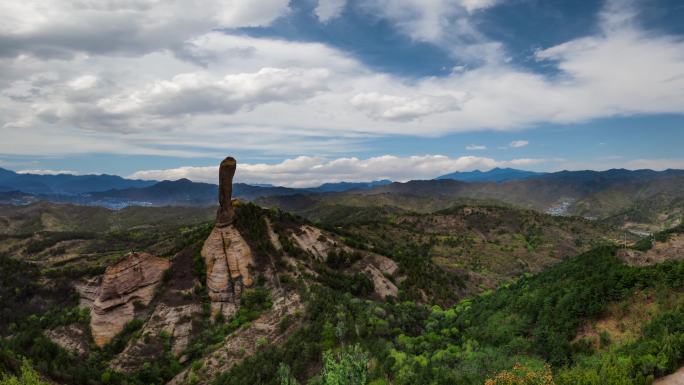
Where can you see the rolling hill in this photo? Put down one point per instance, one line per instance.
(642, 199)
(457, 296)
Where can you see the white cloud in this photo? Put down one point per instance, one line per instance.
(305, 171)
(62, 28)
(327, 10)
(48, 172)
(518, 143)
(475, 147)
(200, 92)
(474, 5)
(429, 20)
(400, 108)
(169, 83)
(83, 82)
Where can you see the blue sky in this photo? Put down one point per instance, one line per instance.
(309, 91)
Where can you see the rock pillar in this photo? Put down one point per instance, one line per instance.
(225, 214)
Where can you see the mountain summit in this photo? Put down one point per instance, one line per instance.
(494, 175)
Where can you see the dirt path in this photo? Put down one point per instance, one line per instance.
(676, 378)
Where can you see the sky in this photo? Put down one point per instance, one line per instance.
(311, 91)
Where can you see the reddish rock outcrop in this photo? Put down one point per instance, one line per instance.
(225, 213)
(228, 259)
(129, 283)
(226, 253)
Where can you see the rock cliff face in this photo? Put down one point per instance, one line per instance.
(73, 338)
(376, 267)
(176, 321)
(228, 259)
(245, 341)
(226, 254)
(313, 241)
(125, 285)
(225, 213)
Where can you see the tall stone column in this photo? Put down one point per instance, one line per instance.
(225, 214)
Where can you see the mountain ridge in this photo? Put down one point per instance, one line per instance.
(496, 174)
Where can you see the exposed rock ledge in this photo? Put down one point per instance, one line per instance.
(130, 282)
(245, 341)
(228, 259)
(670, 250)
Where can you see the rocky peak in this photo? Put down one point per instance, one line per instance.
(129, 283)
(225, 213)
(226, 253)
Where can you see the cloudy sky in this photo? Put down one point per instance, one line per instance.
(308, 91)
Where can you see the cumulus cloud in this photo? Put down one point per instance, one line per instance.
(400, 108)
(170, 83)
(430, 20)
(48, 172)
(185, 95)
(475, 147)
(201, 92)
(305, 171)
(518, 143)
(63, 28)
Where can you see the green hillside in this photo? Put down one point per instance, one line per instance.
(535, 321)
(642, 200)
(485, 294)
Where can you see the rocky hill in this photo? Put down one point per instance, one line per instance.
(260, 296)
(167, 303)
(643, 200)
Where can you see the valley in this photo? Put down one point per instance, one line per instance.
(473, 293)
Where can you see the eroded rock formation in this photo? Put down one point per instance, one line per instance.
(129, 283)
(225, 213)
(313, 241)
(226, 253)
(176, 321)
(72, 338)
(228, 259)
(377, 268)
(245, 341)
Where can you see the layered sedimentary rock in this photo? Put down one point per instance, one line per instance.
(88, 290)
(226, 254)
(175, 321)
(125, 285)
(225, 213)
(245, 341)
(377, 268)
(228, 260)
(72, 338)
(312, 240)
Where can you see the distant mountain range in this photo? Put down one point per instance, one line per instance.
(65, 184)
(653, 198)
(117, 192)
(493, 175)
(346, 186)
